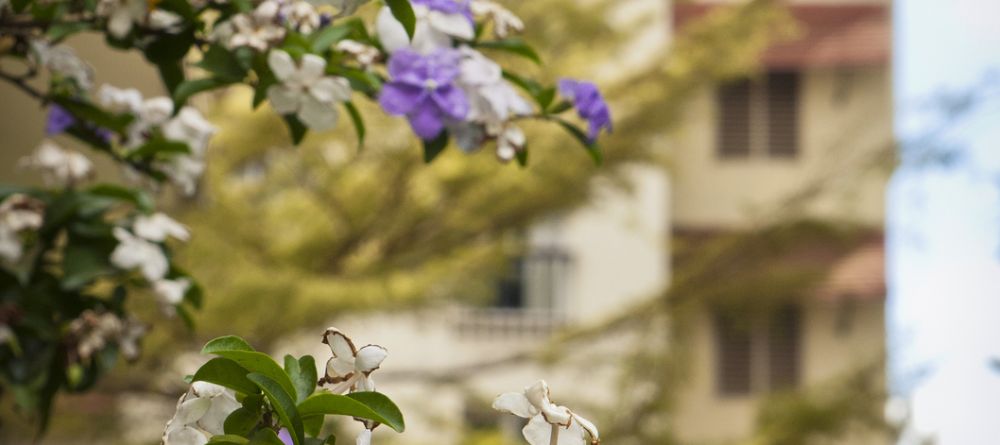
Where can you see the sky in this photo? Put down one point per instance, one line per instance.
(943, 221)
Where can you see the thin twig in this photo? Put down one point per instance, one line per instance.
(20, 83)
(554, 438)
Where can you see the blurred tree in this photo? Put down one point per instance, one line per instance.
(313, 230)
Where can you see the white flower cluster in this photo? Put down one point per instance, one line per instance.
(201, 414)
(156, 114)
(304, 90)
(18, 213)
(63, 62)
(548, 423)
(123, 15)
(266, 25)
(93, 331)
(59, 166)
(494, 103)
(350, 369)
(139, 249)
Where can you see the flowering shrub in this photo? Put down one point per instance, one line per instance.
(72, 253)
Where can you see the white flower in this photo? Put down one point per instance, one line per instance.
(134, 252)
(434, 30)
(201, 414)
(63, 61)
(364, 437)
(184, 172)
(122, 15)
(504, 21)
(171, 292)
(158, 226)
(510, 140)
(364, 54)
(301, 16)
(59, 166)
(93, 331)
(546, 418)
(350, 368)
(492, 99)
(191, 128)
(164, 20)
(305, 91)
(155, 111)
(258, 30)
(119, 100)
(18, 213)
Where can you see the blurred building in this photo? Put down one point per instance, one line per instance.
(797, 140)
(792, 141)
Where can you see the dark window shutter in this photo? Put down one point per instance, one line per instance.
(784, 333)
(783, 113)
(734, 119)
(733, 356)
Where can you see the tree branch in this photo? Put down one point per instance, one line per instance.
(21, 84)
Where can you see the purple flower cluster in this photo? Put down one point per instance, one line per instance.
(449, 6)
(60, 120)
(589, 104)
(423, 89)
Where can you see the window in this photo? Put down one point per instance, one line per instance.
(757, 355)
(529, 300)
(759, 117)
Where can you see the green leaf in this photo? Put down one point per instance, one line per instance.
(226, 343)
(366, 405)
(266, 437)
(189, 88)
(323, 40)
(225, 372)
(303, 375)
(228, 439)
(59, 31)
(171, 73)
(85, 261)
(313, 425)
(381, 404)
(358, 121)
(296, 128)
(139, 198)
(282, 402)
(545, 97)
(592, 148)
(513, 46)
(241, 422)
(158, 146)
(260, 363)
(403, 11)
(88, 112)
(560, 107)
(223, 64)
(522, 157)
(434, 147)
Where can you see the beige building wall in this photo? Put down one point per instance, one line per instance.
(835, 341)
(845, 117)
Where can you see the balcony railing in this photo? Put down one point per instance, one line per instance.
(507, 322)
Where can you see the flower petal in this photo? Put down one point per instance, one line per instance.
(514, 403)
(426, 122)
(330, 89)
(587, 426)
(369, 358)
(214, 419)
(281, 64)
(283, 99)
(185, 436)
(317, 115)
(538, 395)
(390, 32)
(452, 101)
(364, 437)
(539, 432)
(399, 99)
(192, 410)
(455, 25)
(311, 69)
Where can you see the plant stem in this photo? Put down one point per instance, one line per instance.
(20, 83)
(554, 438)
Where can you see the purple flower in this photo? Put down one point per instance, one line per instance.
(285, 436)
(423, 89)
(589, 103)
(60, 120)
(448, 6)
